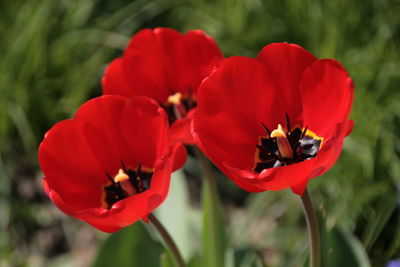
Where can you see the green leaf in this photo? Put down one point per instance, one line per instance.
(246, 257)
(339, 247)
(131, 246)
(195, 262)
(388, 203)
(166, 260)
(214, 237)
(323, 231)
(344, 249)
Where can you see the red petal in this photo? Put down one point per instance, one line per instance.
(327, 95)
(144, 126)
(286, 63)
(327, 156)
(132, 130)
(123, 213)
(57, 200)
(181, 129)
(147, 65)
(163, 169)
(277, 178)
(243, 178)
(331, 148)
(70, 167)
(196, 57)
(102, 115)
(180, 157)
(105, 228)
(114, 82)
(232, 104)
(300, 188)
(350, 127)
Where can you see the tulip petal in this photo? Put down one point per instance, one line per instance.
(327, 156)
(57, 200)
(70, 166)
(196, 58)
(233, 102)
(147, 64)
(181, 129)
(286, 62)
(327, 95)
(146, 120)
(180, 157)
(114, 82)
(274, 179)
(102, 116)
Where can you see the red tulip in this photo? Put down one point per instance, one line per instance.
(276, 121)
(168, 67)
(111, 164)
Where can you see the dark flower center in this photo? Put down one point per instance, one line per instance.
(126, 183)
(285, 146)
(178, 105)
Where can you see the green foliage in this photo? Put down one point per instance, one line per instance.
(214, 235)
(341, 248)
(131, 246)
(166, 260)
(344, 249)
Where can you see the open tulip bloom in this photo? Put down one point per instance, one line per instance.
(111, 164)
(276, 121)
(168, 67)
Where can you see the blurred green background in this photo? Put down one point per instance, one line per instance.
(53, 54)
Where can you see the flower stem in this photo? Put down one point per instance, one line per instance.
(207, 172)
(209, 182)
(313, 230)
(213, 233)
(167, 239)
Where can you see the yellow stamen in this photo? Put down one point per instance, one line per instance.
(285, 150)
(123, 179)
(175, 99)
(278, 132)
(121, 176)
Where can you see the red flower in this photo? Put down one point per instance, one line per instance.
(111, 164)
(307, 101)
(168, 67)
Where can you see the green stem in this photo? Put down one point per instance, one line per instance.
(209, 182)
(214, 249)
(167, 239)
(207, 172)
(313, 231)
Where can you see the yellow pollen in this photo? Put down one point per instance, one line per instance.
(285, 150)
(121, 176)
(278, 132)
(175, 99)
